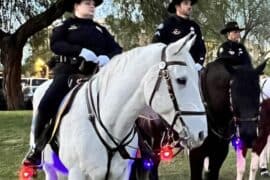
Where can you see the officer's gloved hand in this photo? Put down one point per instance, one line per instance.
(102, 60)
(198, 67)
(88, 55)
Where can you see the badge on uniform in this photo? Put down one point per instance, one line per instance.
(231, 52)
(240, 51)
(73, 27)
(176, 32)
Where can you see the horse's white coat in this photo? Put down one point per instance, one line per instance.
(125, 85)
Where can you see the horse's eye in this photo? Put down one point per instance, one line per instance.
(182, 80)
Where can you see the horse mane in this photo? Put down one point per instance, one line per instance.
(120, 63)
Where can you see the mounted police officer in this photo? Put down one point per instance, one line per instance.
(178, 25)
(232, 49)
(77, 40)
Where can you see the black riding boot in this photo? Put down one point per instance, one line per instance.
(42, 129)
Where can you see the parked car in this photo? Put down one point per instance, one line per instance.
(29, 86)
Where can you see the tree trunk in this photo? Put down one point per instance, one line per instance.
(11, 46)
(12, 74)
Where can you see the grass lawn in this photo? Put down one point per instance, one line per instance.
(14, 137)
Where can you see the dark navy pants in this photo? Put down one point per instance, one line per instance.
(52, 98)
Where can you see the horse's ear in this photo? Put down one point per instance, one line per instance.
(183, 43)
(191, 42)
(260, 68)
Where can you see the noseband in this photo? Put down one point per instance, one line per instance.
(165, 74)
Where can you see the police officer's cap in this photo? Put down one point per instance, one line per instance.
(70, 4)
(171, 7)
(231, 26)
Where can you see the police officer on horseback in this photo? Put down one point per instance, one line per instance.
(232, 49)
(77, 40)
(178, 25)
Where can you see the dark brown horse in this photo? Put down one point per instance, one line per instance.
(257, 145)
(232, 95)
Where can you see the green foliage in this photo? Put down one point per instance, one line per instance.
(14, 12)
(137, 19)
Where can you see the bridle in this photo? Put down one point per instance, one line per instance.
(234, 118)
(94, 115)
(164, 73)
(237, 119)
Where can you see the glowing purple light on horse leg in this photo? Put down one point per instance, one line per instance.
(237, 143)
(148, 164)
(57, 164)
(50, 171)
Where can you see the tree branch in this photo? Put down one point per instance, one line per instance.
(39, 22)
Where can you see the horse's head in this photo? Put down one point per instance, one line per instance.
(172, 90)
(245, 100)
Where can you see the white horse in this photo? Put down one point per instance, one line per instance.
(257, 161)
(119, 92)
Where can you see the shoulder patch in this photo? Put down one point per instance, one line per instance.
(176, 31)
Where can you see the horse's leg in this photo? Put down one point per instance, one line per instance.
(156, 158)
(137, 171)
(216, 158)
(154, 172)
(264, 159)
(196, 159)
(50, 173)
(127, 171)
(254, 165)
(240, 163)
(134, 170)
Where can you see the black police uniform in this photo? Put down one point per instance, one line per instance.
(234, 51)
(67, 40)
(176, 27)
